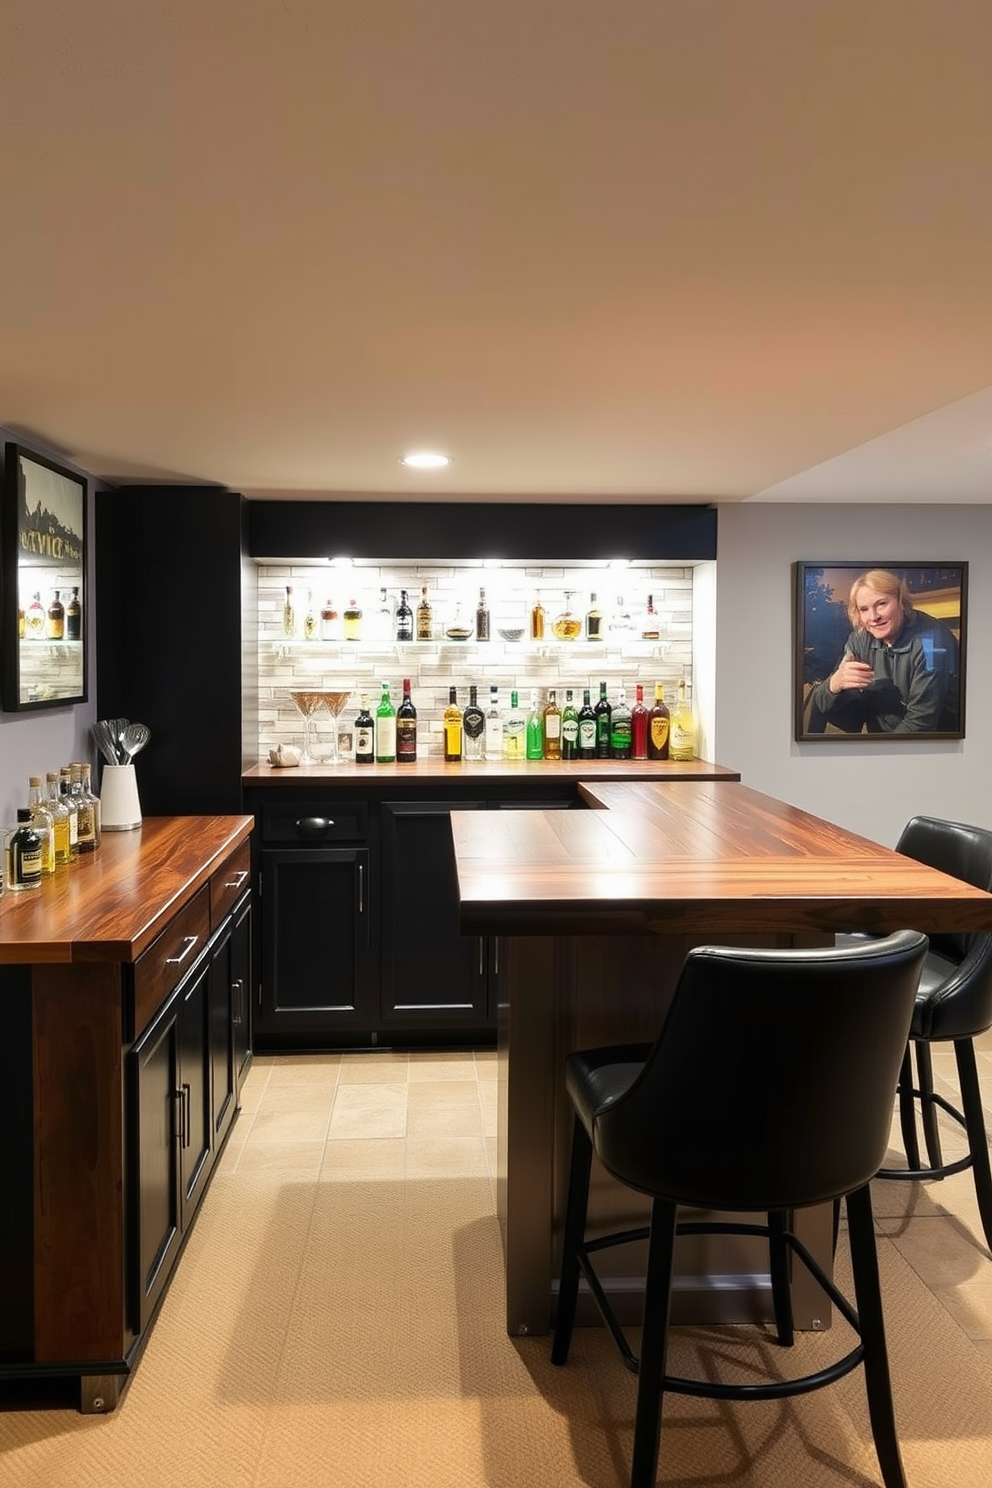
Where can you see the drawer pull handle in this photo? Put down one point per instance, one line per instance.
(237, 880)
(191, 941)
(314, 826)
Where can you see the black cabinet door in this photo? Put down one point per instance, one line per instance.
(318, 967)
(241, 985)
(197, 1145)
(156, 1126)
(432, 976)
(221, 1012)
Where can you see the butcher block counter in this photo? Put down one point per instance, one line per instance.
(596, 910)
(123, 986)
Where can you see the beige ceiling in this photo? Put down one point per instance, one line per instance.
(649, 249)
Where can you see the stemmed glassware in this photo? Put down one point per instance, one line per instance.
(307, 703)
(334, 702)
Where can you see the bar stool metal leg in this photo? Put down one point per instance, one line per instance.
(654, 1343)
(867, 1290)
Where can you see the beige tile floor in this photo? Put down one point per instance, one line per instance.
(388, 1115)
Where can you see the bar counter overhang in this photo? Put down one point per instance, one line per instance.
(595, 911)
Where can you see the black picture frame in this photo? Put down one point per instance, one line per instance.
(43, 598)
(918, 687)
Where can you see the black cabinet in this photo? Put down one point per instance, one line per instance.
(318, 975)
(432, 976)
(170, 1092)
(228, 1015)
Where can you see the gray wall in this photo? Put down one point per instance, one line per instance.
(874, 786)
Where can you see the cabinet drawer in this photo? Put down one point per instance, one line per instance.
(229, 883)
(169, 958)
(315, 823)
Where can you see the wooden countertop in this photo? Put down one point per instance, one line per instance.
(697, 857)
(111, 904)
(434, 768)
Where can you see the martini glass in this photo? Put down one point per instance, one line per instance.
(334, 702)
(307, 703)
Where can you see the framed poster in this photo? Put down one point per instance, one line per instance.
(43, 596)
(880, 650)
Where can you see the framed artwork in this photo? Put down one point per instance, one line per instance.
(880, 650)
(43, 600)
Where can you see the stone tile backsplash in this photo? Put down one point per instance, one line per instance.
(622, 659)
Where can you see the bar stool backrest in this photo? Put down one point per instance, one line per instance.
(951, 847)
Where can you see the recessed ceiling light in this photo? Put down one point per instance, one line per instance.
(425, 460)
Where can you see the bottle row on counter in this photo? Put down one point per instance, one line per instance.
(552, 730)
(60, 821)
(400, 621)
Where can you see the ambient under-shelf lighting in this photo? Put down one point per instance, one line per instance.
(425, 460)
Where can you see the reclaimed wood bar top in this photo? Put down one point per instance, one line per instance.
(695, 857)
(111, 904)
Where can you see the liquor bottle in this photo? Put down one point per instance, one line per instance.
(603, 715)
(650, 629)
(55, 620)
(482, 618)
(406, 728)
(60, 819)
(452, 728)
(385, 729)
(383, 628)
(552, 727)
(404, 619)
(515, 730)
(353, 621)
(639, 719)
(567, 626)
(620, 728)
(73, 618)
(494, 726)
(621, 624)
(86, 839)
(288, 614)
(587, 728)
(658, 728)
(310, 619)
(537, 620)
(330, 621)
(569, 728)
(22, 854)
(364, 735)
(90, 795)
(69, 802)
(535, 730)
(425, 617)
(43, 823)
(35, 619)
(683, 734)
(473, 726)
(594, 620)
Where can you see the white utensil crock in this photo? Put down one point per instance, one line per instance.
(120, 809)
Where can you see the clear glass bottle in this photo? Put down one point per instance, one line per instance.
(535, 729)
(60, 819)
(43, 823)
(385, 729)
(567, 625)
(90, 794)
(69, 802)
(289, 614)
(353, 621)
(639, 720)
(310, 621)
(425, 617)
(515, 730)
(620, 728)
(73, 618)
(587, 728)
(22, 854)
(594, 620)
(452, 728)
(364, 735)
(551, 720)
(482, 618)
(537, 620)
(650, 627)
(494, 726)
(35, 619)
(55, 619)
(406, 728)
(383, 618)
(659, 725)
(330, 621)
(473, 726)
(569, 728)
(86, 828)
(682, 743)
(404, 618)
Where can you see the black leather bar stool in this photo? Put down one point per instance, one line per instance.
(686, 1122)
(953, 1005)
